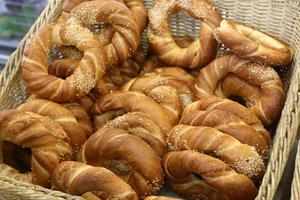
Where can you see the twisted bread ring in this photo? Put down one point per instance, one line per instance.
(127, 36)
(136, 6)
(118, 103)
(208, 140)
(272, 96)
(143, 126)
(81, 116)
(127, 156)
(87, 102)
(59, 114)
(78, 178)
(170, 92)
(199, 176)
(34, 63)
(198, 53)
(230, 124)
(46, 139)
(218, 103)
(251, 44)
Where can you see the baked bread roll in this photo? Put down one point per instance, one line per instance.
(272, 96)
(141, 125)
(160, 198)
(126, 155)
(219, 103)
(169, 91)
(240, 157)
(125, 40)
(230, 124)
(199, 176)
(34, 63)
(78, 178)
(61, 115)
(198, 53)
(48, 142)
(252, 44)
(117, 103)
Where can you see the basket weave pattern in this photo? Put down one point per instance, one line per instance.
(280, 18)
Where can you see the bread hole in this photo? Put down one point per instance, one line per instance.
(17, 157)
(238, 99)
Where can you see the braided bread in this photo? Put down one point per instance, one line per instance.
(198, 53)
(81, 116)
(78, 178)
(143, 126)
(230, 124)
(199, 176)
(168, 91)
(127, 156)
(118, 103)
(208, 140)
(218, 103)
(34, 63)
(59, 114)
(272, 96)
(126, 38)
(252, 44)
(46, 139)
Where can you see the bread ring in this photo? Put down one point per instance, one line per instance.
(208, 140)
(59, 114)
(197, 54)
(199, 176)
(136, 6)
(230, 124)
(34, 63)
(118, 103)
(78, 178)
(46, 139)
(143, 126)
(252, 44)
(125, 40)
(127, 156)
(171, 93)
(81, 116)
(272, 96)
(87, 102)
(218, 103)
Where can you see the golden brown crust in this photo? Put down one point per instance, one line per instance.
(240, 157)
(81, 116)
(169, 91)
(218, 181)
(59, 114)
(218, 103)
(46, 139)
(78, 178)
(198, 53)
(150, 64)
(252, 44)
(127, 156)
(126, 38)
(117, 103)
(143, 126)
(228, 123)
(268, 107)
(34, 63)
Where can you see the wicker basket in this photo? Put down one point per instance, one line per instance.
(280, 18)
(295, 192)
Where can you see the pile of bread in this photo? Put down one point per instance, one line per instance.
(105, 121)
